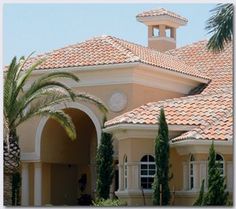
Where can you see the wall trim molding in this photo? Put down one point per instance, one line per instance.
(132, 73)
(141, 131)
(161, 38)
(202, 146)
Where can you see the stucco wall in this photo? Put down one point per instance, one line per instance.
(136, 94)
(27, 132)
(161, 45)
(58, 148)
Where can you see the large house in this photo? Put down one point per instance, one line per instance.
(192, 84)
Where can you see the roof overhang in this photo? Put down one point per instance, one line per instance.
(134, 73)
(162, 19)
(185, 147)
(142, 131)
(176, 73)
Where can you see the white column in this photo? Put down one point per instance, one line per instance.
(112, 188)
(121, 177)
(129, 176)
(25, 184)
(134, 175)
(229, 178)
(185, 176)
(196, 175)
(37, 184)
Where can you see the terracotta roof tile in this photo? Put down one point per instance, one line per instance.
(217, 66)
(190, 110)
(160, 12)
(220, 128)
(107, 50)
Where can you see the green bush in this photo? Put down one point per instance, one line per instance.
(109, 202)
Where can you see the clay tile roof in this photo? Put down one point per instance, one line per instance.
(160, 12)
(106, 50)
(190, 110)
(210, 110)
(220, 128)
(217, 66)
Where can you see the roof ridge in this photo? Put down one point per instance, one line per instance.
(136, 44)
(163, 10)
(114, 42)
(156, 53)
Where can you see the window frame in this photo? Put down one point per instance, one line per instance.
(148, 163)
(221, 162)
(191, 172)
(125, 173)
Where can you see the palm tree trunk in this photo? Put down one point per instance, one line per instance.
(7, 189)
(11, 168)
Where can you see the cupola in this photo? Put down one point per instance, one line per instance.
(162, 26)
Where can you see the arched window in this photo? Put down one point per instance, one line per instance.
(148, 169)
(220, 163)
(191, 172)
(125, 173)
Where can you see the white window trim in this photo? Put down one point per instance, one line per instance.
(191, 162)
(223, 162)
(146, 176)
(125, 173)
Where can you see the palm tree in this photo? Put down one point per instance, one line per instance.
(220, 24)
(22, 102)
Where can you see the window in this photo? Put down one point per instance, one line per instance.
(168, 32)
(156, 31)
(148, 170)
(191, 172)
(220, 164)
(125, 173)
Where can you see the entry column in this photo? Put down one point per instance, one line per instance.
(25, 184)
(37, 184)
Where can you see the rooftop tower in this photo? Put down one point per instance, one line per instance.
(162, 26)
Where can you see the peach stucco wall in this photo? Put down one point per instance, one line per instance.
(57, 148)
(135, 148)
(161, 45)
(136, 94)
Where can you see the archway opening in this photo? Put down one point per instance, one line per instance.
(69, 174)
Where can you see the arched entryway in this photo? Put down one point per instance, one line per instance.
(67, 165)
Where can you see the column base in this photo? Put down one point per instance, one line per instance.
(135, 197)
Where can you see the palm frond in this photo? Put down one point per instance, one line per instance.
(49, 92)
(62, 118)
(56, 75)
(24, 77)
(89, 98)
(11, 90)
(49, 100)
(9, 82)
(40, 98)
(24, 61)
(37, 85)
(220, 25)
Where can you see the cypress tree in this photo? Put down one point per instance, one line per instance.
(105, 169)
(200, 198)
(216, 194)
(162, 163)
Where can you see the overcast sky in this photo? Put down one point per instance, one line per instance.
(45, 27)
